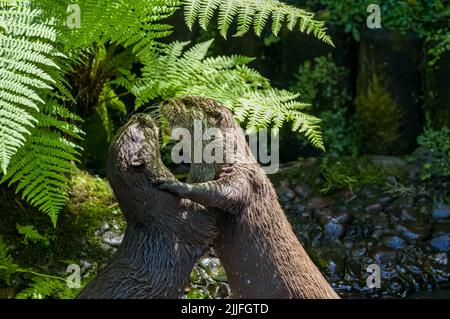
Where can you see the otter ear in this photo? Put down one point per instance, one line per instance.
(215, 114)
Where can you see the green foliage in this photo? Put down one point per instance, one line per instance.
(40, 167)
(348, 174)
(253, 13)
(7, 265)
(44, 287)
(377, 118)
(38, 137)
(228, 80)
(27, 60)
(421, 16)
(438, 144)
(78, 239)
(323, 84)
(30, 233)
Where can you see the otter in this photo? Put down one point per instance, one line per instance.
(165, 235)
(261, 255)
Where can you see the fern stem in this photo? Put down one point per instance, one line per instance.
(27, 271)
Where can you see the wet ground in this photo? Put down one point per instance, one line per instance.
(395, 222)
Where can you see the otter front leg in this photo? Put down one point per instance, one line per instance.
(224, 193)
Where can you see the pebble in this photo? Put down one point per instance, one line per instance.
(441, 242)
(441, 258)
(285, 193)
(113, 240)
(395, 242)
(373, 209)
(334, 229)
(441, 211)
(302, 190)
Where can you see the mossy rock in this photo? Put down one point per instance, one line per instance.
(77, 235)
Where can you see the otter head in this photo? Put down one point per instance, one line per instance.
(182, 112)
(134, 164)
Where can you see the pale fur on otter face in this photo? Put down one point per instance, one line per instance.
(182, 112)
(261, 254)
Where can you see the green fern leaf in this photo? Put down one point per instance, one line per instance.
(256, 12)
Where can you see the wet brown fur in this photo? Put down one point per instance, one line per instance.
(165, 235)
(261, 254)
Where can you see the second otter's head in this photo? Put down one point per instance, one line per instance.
(134, 163)
(183, 111)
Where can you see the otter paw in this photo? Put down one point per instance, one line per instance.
(224, 171)
(175, 187)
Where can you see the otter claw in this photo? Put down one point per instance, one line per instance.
(174, 187)
(224, 171)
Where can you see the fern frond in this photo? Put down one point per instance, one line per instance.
(27, 55)
(7, 265)
(256, 12)
(132, 24)
(226, 79)
(41, 166)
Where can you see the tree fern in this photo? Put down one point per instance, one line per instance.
(39, 169)
(254, 13)
(134, 24)
(37, 131)
(227, 79)
(27, 55)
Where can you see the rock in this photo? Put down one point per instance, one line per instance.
(285, 194)
(409, 214)
(112, 239)
(441, 211)
(385, 200)
(320, 202)
(384, 256)
(405, 232)
(395, 242)
(359, 251)
(441, 259)
(85, 265)
(297, 207)
(374, 209)
(334, 229)
(441, 242)
(105, 227)
(302, 190)
(388, 162)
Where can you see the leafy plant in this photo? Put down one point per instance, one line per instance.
(349, 174)
(253, 13)
(437, 143)
(322, 83)
(42, 285)
(29, 233)
(226, 79)
(39, 54)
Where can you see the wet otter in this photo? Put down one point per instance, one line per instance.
(260, 253)
(164, 235)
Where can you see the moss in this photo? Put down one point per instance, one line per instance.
(378, 118)
(76, 236)
(305, 170)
